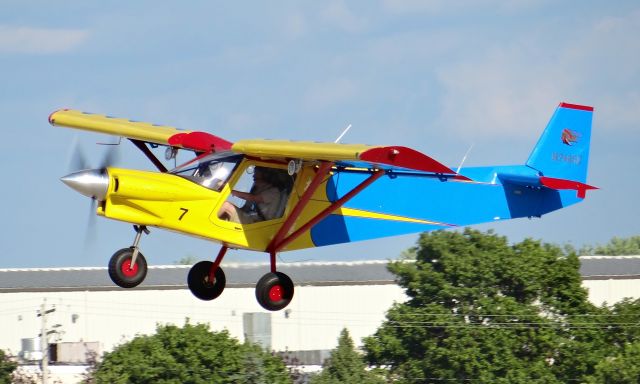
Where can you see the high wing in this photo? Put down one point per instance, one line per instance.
(343, 155)
(143, 132)
(347, 155)
(370, 163)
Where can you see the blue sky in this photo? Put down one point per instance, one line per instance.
(433, 75)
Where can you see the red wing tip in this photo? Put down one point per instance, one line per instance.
(405, 158)
(576, 106)
(199, 141)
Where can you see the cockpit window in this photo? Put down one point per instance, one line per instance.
(211, 171)
(260, 194)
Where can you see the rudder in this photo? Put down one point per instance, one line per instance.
(562, 151)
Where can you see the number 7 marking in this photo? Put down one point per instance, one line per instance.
(184, 212)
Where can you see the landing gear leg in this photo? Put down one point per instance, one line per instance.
(128, 267)
(274, 290)
(136, 251)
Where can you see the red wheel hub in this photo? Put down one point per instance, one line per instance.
(276, 293)
(128, 270)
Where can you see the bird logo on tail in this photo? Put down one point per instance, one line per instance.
(569, 137)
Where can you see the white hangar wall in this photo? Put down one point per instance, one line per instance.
(611, 291)
(328, 297)
(610, 279)
(312, 321)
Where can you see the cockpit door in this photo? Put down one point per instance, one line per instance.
(254, 212)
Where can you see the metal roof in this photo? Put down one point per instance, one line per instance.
(246, 275)
(175, 276)
(610, 267)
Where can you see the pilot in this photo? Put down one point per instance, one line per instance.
(261, 202)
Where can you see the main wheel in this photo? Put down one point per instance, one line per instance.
(123, 273)
(200, 283)
(274, 291)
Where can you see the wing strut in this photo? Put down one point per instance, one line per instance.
(279, 242)
(274, 247)
(143, 147)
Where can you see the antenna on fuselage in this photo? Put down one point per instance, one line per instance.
(342, 134)
(464, 158)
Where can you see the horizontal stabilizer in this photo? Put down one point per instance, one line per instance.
(554, 183)
(526, 178)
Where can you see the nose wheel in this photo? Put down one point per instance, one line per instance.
(126, 272)
(128, 267)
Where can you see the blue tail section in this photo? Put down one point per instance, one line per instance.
(402, 202)
(562, 151)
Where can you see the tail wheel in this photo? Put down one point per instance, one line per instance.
(123, 273)
(274, 291)
(200, 284)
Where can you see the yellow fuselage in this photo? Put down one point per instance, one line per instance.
(175, 203)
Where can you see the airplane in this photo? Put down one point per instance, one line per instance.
(317, 194)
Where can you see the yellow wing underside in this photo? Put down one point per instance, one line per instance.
(304, 150)
(161, 134)
(358, 155)
(158, 134)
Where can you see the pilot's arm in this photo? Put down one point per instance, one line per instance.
(258, 198)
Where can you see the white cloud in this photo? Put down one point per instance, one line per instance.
(294, 25)
(338, 14)
(411, 6)
(448, 7)
(502, 93)
(330, 93)
(606, 59)
(619, 112)
(510, 89)
(40, 40)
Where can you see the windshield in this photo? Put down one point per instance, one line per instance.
(210, 171)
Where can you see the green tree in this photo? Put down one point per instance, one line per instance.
(345, 365)
(620, 328)
(620, 369)
(190, 354)
(187, 260)
(7, 367)
(483, 311)
(622, 319)
(615, 247)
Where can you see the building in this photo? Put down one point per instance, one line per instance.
(89, 307)
(89, 313)
(610, 279)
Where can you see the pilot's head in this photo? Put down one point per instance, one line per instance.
(262, 174)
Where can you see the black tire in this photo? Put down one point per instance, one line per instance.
(200, 283)
(274, 291)
(120, 271)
